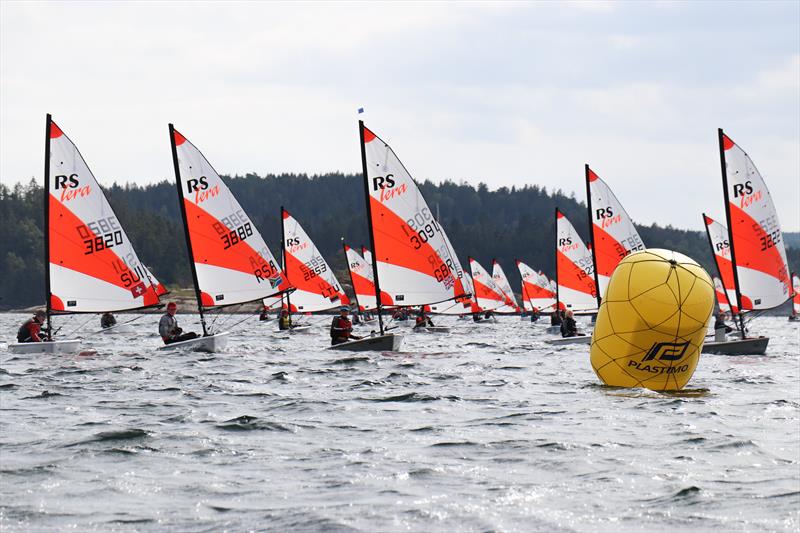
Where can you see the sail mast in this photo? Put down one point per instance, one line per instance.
(186, 229)
(591, 232)
(558, 301)
(46, 232)
(283, 259)
(367, 198)
(724, 168)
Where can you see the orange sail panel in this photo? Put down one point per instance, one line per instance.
(93, 266)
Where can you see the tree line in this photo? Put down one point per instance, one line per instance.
(506, 223)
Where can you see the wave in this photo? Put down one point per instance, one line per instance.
(251, 423)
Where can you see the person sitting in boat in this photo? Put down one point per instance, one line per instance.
(569, 328)
(264, 313)
(107, 321)
(285, 322)
(32, 328)
(719, 323)
(341, 327)
(356, 318)
(535, 314)
(168, 327)
(422, 320)
(488, 315)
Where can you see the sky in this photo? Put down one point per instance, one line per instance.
(500, 93)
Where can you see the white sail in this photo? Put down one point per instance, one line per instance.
(613, 234)
(762, 271)
(488, 296)
(232, 262)
(574, 269)
(536, 288)
(316, 286)
(414, 263)
(722, 299)
(720, 247)
(362, 279)
(367, 255)
(501, 281)
(93, 266)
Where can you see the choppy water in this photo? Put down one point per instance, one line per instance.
(484, 430)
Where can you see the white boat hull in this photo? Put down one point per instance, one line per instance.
(208, 344)
(580, 339)
(31, 348)
(380, 343)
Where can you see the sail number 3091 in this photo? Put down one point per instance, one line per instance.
(420, 228)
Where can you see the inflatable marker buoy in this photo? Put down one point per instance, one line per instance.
(652, 322)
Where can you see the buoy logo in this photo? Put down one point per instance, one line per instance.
(666, 351)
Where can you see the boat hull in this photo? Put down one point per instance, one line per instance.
(380, 343)
(580, 339)
(32, 348)
(208, 344)
(752, 346)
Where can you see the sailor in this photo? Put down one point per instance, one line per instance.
(535, 314)
(168, 327)
(569, 328)
(264, 313)
(285, 322)
(422, 320)
(107, 321)
(341, 327)
(721, 329)
(29, 331)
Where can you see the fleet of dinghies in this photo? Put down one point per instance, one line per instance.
(92, 266)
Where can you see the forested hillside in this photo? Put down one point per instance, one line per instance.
(504, 223)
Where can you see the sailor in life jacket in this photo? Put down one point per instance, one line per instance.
(30, 330)
(422, 319)
(285, 322)
(107, 321)
(341, 327)
(168, 327)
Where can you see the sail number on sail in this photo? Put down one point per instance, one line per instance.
(236, 229)
(100, 234)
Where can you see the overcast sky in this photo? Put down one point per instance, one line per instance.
(508, 94)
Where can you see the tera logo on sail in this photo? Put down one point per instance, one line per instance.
(386, 185)
(745, 190)
(71, 187)
(200, 189)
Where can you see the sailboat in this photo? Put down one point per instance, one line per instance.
(760, 273)
(501, 281)
(230, 262)
(575, 284)
(488, 296)
(536, 289)
(795, 315)
(90, 264)
(613, 235)
(411, 260)
(316, 286)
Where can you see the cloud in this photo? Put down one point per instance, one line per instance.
(505, 93)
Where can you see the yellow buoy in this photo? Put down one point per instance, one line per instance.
(652, 322)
